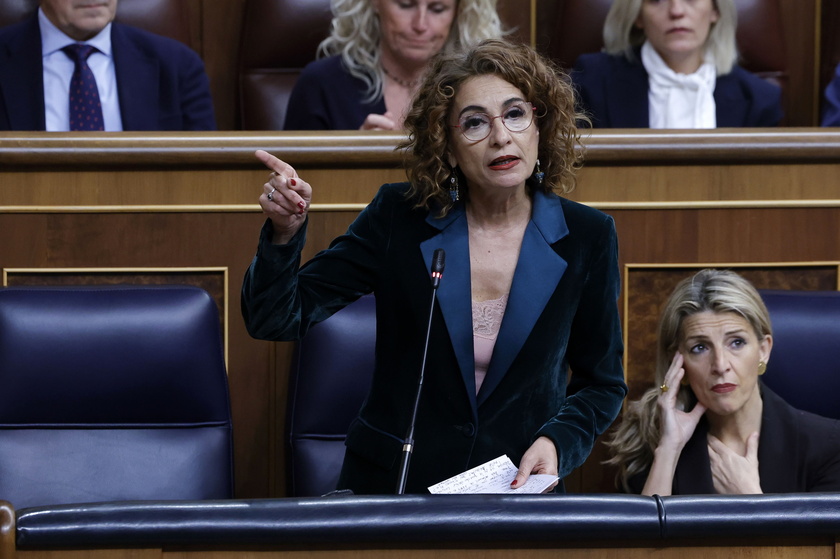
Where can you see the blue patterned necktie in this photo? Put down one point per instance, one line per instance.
(85, 107)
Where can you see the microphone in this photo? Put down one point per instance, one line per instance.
(438, 261)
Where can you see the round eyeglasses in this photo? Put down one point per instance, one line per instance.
(477, 126)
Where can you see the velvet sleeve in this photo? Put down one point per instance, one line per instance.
(596, 389)
(281, 300)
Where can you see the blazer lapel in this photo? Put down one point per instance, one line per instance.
(536, 277)
(627, 104)
(730, 103)
(22, 79)
(776, 439)
(137, 82)
(454, 297)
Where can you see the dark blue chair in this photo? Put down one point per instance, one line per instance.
(329, 379)
(804, 366)
(112, 393)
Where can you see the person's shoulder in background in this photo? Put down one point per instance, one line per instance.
(831, 108)
(327, 96)
(184, 97)
(763, 99)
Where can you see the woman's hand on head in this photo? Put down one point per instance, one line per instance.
(676, 426)
(285, 198)
(380, 122)
(540, 458)
(732, 473)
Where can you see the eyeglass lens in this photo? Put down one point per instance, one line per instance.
(477, 126)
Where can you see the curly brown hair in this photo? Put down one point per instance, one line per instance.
(547, 87)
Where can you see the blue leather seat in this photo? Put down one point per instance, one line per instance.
(112, 393)
(804, 366)
(328, 382)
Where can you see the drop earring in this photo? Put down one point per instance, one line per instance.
(539, 176)
(454, 191)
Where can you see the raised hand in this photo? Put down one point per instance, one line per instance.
(675, 426)
(285, 198)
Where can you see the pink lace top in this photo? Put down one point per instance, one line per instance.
(487, 319)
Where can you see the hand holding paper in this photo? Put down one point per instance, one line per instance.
(493, 477)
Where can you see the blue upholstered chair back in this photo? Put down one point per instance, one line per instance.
(329, 380)
(804, 366)
(112, 393)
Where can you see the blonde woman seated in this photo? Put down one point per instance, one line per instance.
(672, 64)
(710, 425)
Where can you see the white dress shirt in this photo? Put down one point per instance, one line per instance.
(680, 100)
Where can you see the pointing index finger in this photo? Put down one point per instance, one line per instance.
(275, 164)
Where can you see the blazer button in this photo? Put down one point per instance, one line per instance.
(468, 429)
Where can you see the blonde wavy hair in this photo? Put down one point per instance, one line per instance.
(355, 35)
(429, 120)
(633, 442)
(621, 36)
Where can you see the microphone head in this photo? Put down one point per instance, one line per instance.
(438, 261)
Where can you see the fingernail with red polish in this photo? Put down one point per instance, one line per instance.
(514, 483)
(292, 182)
(302, 205)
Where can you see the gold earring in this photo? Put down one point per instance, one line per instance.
(762, 367)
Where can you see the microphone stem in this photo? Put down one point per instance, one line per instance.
(408, 443)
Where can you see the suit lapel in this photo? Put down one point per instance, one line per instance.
(627, 104)
(730, 103)
(22, 79)
(137, 82)
(454, 296)
(777, 439)
(537, 274)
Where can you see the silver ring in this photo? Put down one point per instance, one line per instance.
(270, 193)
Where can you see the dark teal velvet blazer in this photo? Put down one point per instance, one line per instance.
(562, 313)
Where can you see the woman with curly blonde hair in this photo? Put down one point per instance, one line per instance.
(529, 293)
(375, 57)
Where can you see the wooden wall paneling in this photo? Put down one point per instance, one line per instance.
(517, 16)
(221, 28)
(801, 28)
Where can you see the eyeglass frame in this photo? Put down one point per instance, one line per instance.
(492, 118)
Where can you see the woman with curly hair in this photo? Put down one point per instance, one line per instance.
(530, 289)
(375, 57)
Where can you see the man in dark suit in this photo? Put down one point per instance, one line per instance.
(144, 81)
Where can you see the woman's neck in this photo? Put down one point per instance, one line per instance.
(684, 63)
(498, 212)
(734, 429)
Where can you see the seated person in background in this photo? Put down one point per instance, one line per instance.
(530, 287)
(377, 53)
(831, 111)
(136, 80)
(711, 426)
(671, 64)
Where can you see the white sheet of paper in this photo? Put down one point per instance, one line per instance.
(492, 477)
